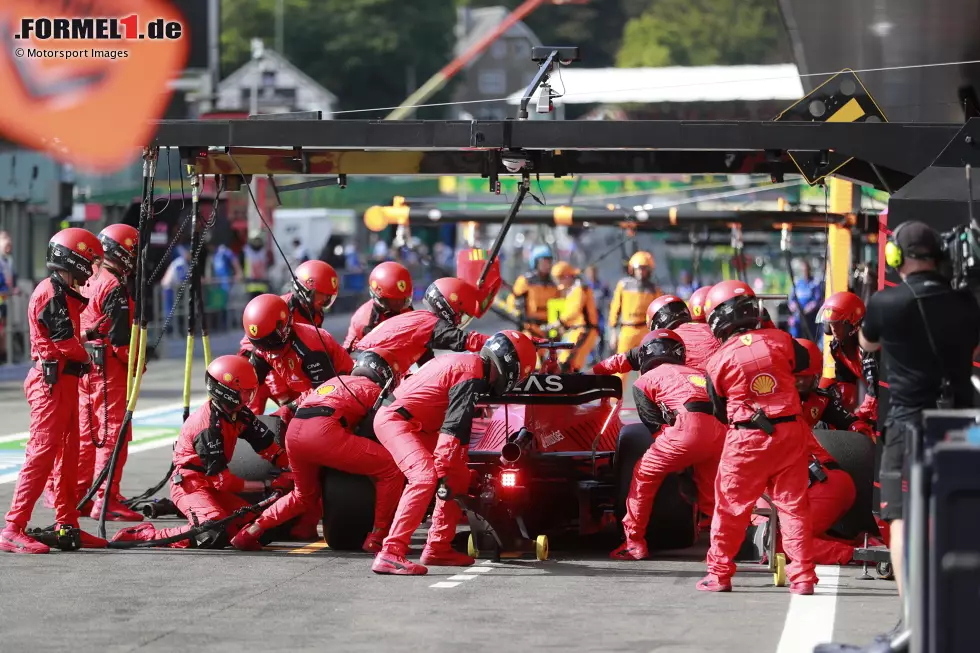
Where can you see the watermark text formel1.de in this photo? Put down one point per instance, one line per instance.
(98, 29)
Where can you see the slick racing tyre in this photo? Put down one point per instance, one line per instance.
(855, 453)
(673, 522)
(248, 465)
(348, 509)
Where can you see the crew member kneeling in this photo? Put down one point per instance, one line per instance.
(672, 401)
(202, 486)
(321, 434)
(427, 430)
(752, 386)
(54, 316)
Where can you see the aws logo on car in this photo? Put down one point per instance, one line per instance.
(541, 383)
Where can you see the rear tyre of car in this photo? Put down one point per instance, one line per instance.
(248, 465)
(348, 509)
(673, 522)
(855, 453)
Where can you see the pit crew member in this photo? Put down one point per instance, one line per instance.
(321, 434)
(316, 285)
(841, 316)
(532, 292)
(668, 312)
(103, 391)
(427, 429)
(696, 304)
(578, 319)
(51, 387)
(390, 287)
(202, 486)
(752, 386)
(411, 337)
(631, 297)
(672, 401)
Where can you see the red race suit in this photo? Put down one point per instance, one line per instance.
(411, 337)
(364, 320)
(699, 345)
(850, 369)
(202, 486)
(54, 320)
(427, 430)
(687, 434)
(102, 392)
(321, 434)
(752, 374)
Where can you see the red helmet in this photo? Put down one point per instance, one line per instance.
(658, 347)
(390, 286)
(806, 381)
(667, 312)
(119, 241)
(452, 299)
(231, 382)
(75, 251)
(317, 277)
(514, 356)
(268, 322)
(731, 307)
(842, 307)
(696, 302)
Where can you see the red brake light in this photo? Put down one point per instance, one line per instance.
(508, 478)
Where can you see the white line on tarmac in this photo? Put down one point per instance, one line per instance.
(468, 574)
(810, 619)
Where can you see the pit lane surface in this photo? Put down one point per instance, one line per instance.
(296, 597)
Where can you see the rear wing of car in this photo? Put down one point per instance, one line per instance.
(560, 389)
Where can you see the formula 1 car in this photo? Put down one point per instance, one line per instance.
(553, 456)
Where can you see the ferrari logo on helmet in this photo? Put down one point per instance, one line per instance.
(746, 339)
(227, 377)
(401, 285)
(334, 282)
(253, 330)
(827, 312)
(697, 311)
(325, 389)
(698, 381)
(763, 384)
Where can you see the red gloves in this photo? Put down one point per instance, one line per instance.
(617, 364)
(282, 483)
(227, 482)
(275, 455)
(448, 453)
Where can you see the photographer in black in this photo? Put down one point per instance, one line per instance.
(928, 334)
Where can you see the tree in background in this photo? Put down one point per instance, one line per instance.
(366, 52)
(704, 33)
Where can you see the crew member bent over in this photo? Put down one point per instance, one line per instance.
(668, 312)
(672, 401)
(752, 386)
(51, 387)
(427, 430)
(410, 338)
(390, 287)
(202, 486)
(103, 390)
(321, 434)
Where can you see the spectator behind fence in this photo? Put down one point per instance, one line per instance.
(805, 303)
(175, 275)
(224, 272)
(686, 285)
(256, 266)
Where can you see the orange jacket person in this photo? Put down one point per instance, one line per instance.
(628, 310)
(578, 318)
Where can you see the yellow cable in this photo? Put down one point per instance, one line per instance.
(188, 364)
(140, 363)
(207, 349)
(132, 354)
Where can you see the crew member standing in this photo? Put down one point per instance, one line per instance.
(532, 292)
(51, 386)
(202, 486)
(633, 294)
(578, 319)
(752, 386)
(672, 401)
(103, 390)
(928, 336)
(390, 287)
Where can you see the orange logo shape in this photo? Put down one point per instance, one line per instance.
(81, 247)
(827, 312)
(334, 282)
(453, 297)
(699, 381)
(763, 384)
(227, 377)
(814, 412)
(746, 339)
(129, 242)
(401, 285)
(374, 284)
(697, 311)
(253, 330)
(325, 389)
(91, 112)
